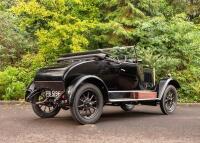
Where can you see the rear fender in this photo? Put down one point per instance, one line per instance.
(71, 90)
(31, 92)
(163, 85)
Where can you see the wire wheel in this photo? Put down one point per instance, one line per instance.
(169, 100)
(43, 106)
(87, 104)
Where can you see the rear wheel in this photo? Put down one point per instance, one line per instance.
(87, 104)
(44, 107)
(169, 100)
(127, 107)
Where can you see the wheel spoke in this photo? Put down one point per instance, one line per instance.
(90, 111)
(85, 97)
(86, 113)
(82, 105)
(88, 95)
(45, 108)
(81, 100)
(94, 108)
(91, 97)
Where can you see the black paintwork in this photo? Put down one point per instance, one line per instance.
(117, 76)
(106, 73)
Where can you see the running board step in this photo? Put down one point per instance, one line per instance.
(131, 100)
(132, 95)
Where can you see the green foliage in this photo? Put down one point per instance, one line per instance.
(14, 91)
(34, 32)
(13, 42)
(59, 25)
(6, 4)
(190, 84)
(11, 87)
(176, 39)
(190, 7)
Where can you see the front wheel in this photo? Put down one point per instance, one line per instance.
(44, 107)
(169, 100)
(87, 104)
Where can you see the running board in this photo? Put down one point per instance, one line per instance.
(131, 100)
(132, 96)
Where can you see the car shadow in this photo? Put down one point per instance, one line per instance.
(106, 117)
(121, 115)
(58, 120)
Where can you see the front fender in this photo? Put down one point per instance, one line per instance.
(71, 90)
(163, 85)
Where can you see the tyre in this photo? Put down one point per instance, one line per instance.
(169, 100)
(43, 107)
(87, 104)
(127, 107)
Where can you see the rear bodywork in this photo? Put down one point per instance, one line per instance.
(118, 81)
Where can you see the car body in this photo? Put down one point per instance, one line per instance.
(106, 81)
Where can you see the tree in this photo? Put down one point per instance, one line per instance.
(13, 42)
(166, 33)
(59, 25)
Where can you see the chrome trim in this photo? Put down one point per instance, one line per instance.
(131, 91)
(127, 99)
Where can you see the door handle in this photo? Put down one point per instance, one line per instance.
(123, 70)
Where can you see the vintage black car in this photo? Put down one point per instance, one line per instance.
(84, 82)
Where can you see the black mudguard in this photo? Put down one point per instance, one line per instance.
(31, 92)
(163, 83)
(71, 90)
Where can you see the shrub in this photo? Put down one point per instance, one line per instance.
(14, 91)
(12, 83)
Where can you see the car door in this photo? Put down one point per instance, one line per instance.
(130, 75)
(109, 72)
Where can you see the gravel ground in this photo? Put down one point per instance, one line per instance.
(146, 124)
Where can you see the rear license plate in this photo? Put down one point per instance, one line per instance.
(53, 93)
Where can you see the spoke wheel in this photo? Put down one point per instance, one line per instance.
(44, 107)
(87, 104)
(169, 100)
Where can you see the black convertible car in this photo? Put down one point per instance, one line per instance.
(85, 82)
